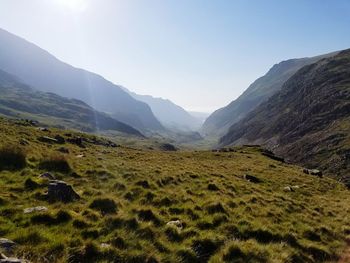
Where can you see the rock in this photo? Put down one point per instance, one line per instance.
(76, 140)
(105, 245)
(35, 209)
(252, 179)
(47, 176)
(43, 129)
(313, 172)
(288, 189)
(168, 147)
(61, 191)
(80, 156)
(175, 223)
(47, 139)
(271, 155)
(11, 260)
(60, 139)
(7, 244)
(23, 142)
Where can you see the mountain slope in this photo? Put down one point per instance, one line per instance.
(143, 206)
(20, 100)
(168, 113)
(260, 90)
(308, 121)
(43, 71)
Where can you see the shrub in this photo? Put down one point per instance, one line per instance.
(12, 158)
(104, 205)
(56, 163)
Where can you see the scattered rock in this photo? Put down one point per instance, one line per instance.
(77, 141)
(168, 147)
(175, 223)
(47, 176)
(288, 189)
(80, 156)
(313, 172)
(61, 191)
(60, 139)
(4, 259)
(7, 244)
(35, 209)
(43, 129)
(105, 245)
(23, 142)
(252, 179)
(47, 139)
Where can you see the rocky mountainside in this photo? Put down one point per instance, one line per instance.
(260, 90)
(43, 71)
(21, 101)
(308, 121)
(169, 114)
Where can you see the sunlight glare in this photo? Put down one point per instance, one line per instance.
(73, 5)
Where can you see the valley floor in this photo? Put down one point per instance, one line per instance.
(139, 205)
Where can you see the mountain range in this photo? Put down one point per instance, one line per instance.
(18, 100)
(308, 120)
(37, 68)
(218, 123)
(169, 114)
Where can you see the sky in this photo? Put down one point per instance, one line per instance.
(201, 54)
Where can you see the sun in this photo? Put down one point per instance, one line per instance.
(73, 5)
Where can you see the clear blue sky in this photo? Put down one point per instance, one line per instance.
(201, 54)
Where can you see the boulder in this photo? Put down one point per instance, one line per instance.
(168, 147)
(61, 191)
(47, 139)
(7, 244)
(313, 172)
(176, 223)
(77, 141)
(60, 139)
(252, 179)
(35, 209)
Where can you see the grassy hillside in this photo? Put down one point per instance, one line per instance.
(308, 121)
(128, 196)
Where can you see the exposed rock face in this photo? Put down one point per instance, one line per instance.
(218, 123)
(61, 191)
(168, 147)
(308, 121)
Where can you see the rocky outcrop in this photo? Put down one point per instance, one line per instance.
(61, 191)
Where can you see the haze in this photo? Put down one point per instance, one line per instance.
(199, 54)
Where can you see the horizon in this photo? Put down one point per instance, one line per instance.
(146, 59)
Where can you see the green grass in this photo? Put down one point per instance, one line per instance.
(128, 196)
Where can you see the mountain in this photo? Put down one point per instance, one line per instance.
(168, 113)
(260, 90)
(21, 101)
(308, 121)
(43, 71)
(201, 116)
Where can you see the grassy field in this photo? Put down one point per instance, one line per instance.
(129, 195)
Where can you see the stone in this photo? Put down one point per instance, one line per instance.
(47, 176)
(176, 223)
(80, 156)
(35, 209)
(23, 142)
(60, 139)
(43, 129)
(252, 179)
(313, 172)
(61, 191)
(7, 244)
(47, 139)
